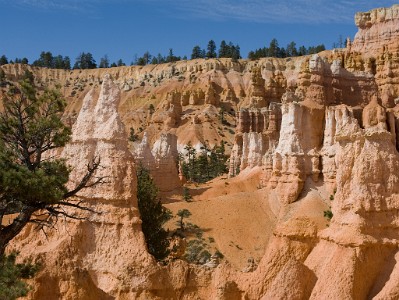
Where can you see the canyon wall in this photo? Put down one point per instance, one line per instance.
(328, 122)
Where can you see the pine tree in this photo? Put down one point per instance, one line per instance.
(223, 49)
(120, 63)
(85, 61)
(67, 63)
(273, 48)
(46, 60)
(154, 61)
(211, 49)
(186, 194)
(302, 51)
(3, 60)
(209, 164)
(153, 215)
(104, 62)
(183, 214)
(11, 274)
(31, 180)
(291, 50)
(196, 53)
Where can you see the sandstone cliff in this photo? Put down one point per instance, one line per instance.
(321, 130)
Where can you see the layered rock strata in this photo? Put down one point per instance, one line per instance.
(330, 119)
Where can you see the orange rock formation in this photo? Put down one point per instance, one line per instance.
(322, 129)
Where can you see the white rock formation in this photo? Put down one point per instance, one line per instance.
(91, 259)
(161, 160)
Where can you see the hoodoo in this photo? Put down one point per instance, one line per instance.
(313, 163)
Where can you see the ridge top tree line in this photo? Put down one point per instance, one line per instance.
(85, 60)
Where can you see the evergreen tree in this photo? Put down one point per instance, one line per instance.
(235, 50)
(186, 194)
(58, 62)
(273, 48)
(316, 49)
(188, 168)
(140, 61)
(145, 59)
(154, 61)
(196, 53)
(104, 62)
(120, 63)
(153, 215)
(11, 274)
(252, 55)
(206, 165)
(3, 60)
(46, 60)
(160, 58)
(219, 159)
(223, 49)
(67, 63)
(229, 50)
(28, 76)
(291, 50)
(211, 49)
(171, 57)
(183, 214)
(85, 61)
(30, 179)
(302, 51)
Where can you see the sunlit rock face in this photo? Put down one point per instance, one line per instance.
(321, 129)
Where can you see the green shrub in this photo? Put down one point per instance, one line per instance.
(196, 252)
(328, 214)
(186, 194)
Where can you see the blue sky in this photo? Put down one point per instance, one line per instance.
(123, 28)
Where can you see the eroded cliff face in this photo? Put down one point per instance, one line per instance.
(88, 259)
(322, 128)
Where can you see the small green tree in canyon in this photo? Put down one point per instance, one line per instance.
(153, 215)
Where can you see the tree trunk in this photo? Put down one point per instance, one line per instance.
(9, 232)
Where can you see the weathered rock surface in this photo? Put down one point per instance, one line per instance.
(378, 28)
(325, 124)
(161, 160)
(89, 259)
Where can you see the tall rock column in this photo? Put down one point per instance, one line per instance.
(103, 255)
(297, 153)
(363, 235)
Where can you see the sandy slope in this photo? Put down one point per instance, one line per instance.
(241, 218)
(234, 213)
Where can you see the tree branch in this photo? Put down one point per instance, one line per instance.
(84, 183)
